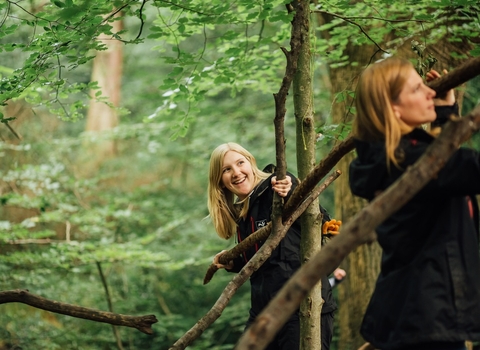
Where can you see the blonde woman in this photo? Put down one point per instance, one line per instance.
(427, 295)
(240, 198)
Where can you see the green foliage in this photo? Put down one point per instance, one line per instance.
(55, 39)
(141, 216)
(196, 74)
(373, 22)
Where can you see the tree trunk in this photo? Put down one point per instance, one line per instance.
(102, 115)
(310, 308)
(362, 265)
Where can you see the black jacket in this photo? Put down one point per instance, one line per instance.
(429, 285)
(284, 260)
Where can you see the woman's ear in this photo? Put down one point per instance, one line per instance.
(396, 110)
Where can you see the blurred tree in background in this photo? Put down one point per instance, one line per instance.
(195, 74)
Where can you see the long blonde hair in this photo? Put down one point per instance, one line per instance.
(220, 199)
(378, 87)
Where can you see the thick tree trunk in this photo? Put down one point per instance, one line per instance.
(362, 265)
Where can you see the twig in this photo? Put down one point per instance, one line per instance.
(116, 334)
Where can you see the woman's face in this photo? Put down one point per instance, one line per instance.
(237, 174)
(414, 105)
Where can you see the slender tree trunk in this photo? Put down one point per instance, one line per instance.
(311, 307)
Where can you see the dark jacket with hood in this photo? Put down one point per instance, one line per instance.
(284, 260)
(428, 289)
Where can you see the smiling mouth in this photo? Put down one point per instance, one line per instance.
(239, 181)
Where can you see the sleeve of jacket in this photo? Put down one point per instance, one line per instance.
(443, 114)
(295, 183)
(238, 264)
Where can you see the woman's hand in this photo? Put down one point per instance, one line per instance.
(221, 266)
(339, 274)
(449, 98)
(282, 187)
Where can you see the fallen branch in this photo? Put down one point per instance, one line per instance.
(357, 232)
(142, 323)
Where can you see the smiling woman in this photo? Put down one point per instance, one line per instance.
(240, 198)
(237, 174)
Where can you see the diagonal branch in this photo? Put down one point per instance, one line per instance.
(464, 72)
(142, 323)
(358, 231)
(116, 334)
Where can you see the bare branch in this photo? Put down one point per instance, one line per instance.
(140, 17)
(116, 333)
(11, 129)
(301, 10)
(142, 323)
(349, 20)
(316, 175)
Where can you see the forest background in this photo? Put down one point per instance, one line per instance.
(106, 207)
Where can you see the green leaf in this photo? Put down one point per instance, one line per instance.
(59, 3)
(176, 71)
(476, 51)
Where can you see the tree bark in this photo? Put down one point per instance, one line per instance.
(311, 306)
(142, 323)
